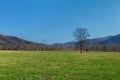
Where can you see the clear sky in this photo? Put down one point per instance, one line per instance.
(55, 20)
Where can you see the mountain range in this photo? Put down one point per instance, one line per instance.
(13, 42)
(109, 40)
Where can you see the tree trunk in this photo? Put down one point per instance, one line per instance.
(81, 46)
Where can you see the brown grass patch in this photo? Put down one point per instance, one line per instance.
(45, 76)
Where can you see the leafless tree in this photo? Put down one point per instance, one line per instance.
(80, 34)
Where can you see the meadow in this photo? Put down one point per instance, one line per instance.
(59, 65)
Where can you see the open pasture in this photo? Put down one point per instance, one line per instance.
(59, 65)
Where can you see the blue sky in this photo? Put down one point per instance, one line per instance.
(54, 21)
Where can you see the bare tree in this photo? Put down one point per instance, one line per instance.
(81, 34)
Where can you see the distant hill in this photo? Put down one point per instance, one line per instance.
(15, 43)
(12, 42)
(109, 40)
(114, 40)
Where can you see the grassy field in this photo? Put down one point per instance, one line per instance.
(53, 65)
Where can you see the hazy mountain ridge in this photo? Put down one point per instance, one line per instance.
(12, 42)
(115, 40)
(112, 40)
(15, 43)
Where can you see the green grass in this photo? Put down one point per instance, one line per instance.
(55, 65)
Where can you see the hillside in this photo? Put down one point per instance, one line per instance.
(12, 42)
(15, 43)
(115, 40)
(109, 40)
